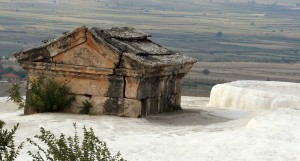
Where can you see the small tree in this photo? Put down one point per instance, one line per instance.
(8, 151)
(205, 71)
(219, 34)
(70, 149)
(9, 70)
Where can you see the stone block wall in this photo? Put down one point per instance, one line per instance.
(156, 94)
(118, 95)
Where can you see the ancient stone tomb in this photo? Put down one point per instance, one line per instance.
(119, 70)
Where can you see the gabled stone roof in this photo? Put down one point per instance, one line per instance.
(44, 52)
(125, 41)
(123, 33)
(129, 40)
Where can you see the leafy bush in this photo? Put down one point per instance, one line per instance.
(47, 95)
(70, 149)
(86, 107)
(15, 95)
(8, 151)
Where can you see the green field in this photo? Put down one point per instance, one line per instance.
(261, 31)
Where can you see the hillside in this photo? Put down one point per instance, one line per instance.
(210, 30)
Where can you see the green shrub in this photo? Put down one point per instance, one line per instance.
(8, 151)
(47, 95)
(15, 95)
(85, 109)
(70, 149)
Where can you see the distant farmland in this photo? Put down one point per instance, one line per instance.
(241, 31)
(196, 83)
(260, 31)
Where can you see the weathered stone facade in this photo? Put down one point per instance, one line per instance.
(119, 70)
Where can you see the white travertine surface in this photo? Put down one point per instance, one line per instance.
(195, 133)
(255, 95)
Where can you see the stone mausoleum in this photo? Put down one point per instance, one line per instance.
(118, 70)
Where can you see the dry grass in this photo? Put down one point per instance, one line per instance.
(231, 71)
